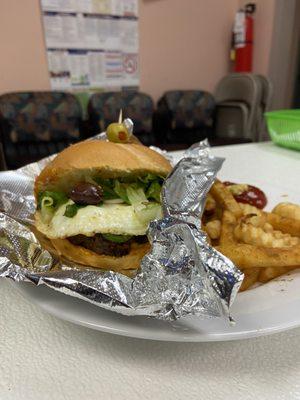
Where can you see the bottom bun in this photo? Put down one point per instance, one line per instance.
(87, 257)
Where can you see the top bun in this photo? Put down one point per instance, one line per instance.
(104, 159)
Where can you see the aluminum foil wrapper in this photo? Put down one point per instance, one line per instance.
(181, 275)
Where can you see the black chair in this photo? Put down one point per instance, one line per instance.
(104, 108)
(3, 166)
(36, 124)
(184, 116)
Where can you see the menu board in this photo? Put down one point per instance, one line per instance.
(91, 43)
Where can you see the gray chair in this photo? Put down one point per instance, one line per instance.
(238, 97)
(231, 119)
(264, 106)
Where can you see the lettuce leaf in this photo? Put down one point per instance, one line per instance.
(135, 194)
(149, 178)
(120, 190)
(71, 210)
(148, 212)
(140, 194)
(52, 199)
(49, 201)
(154, 191)
(108, 188)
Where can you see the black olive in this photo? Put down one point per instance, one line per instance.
(87, 194)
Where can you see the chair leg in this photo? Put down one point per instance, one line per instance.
(3, 166)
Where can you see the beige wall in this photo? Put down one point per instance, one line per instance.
(183, 43)
(263, 32)
(23, 63)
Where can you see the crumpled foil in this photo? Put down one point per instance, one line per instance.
(181, 275)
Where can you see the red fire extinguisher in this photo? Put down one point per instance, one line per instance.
(242, 39)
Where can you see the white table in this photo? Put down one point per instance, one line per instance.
(45, 358)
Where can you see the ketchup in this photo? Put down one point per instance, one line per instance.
(253, 196)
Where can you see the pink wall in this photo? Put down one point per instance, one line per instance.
(263, 35)
(23, 63)
(184, 44)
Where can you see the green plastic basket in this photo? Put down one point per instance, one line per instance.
(284, 127)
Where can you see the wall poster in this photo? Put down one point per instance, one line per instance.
(91, 44)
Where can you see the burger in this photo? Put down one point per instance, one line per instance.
(96, 199)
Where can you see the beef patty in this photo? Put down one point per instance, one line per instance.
(98, 244)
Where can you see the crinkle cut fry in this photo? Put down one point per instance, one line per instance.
(279, 223)
(223, 196)
(250, 231)
(249, 209)
(248, 256)
(287, 209)
(283, 224)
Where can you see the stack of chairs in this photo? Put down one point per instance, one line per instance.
(241, 101)
(36, 124)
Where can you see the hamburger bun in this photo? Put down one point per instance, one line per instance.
(87, 257)
(83, 160)
(108, 160)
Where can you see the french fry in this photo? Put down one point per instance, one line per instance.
(249, 256)
(255, 220)
(215, 215)
(250, 278)
(288, 210)
(249, 209)
(257, 236)
(264, 245)
(210, 204)
(129, 272)
(224, 197)
(279, 223)
(213, 229)
(283, 224)
(227, 228)
(267, 274)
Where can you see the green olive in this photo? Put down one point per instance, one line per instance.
(117, 132)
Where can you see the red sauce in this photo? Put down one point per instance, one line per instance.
(253, 196)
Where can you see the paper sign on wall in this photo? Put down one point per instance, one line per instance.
(91, 43)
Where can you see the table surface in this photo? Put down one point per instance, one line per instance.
(42, 357)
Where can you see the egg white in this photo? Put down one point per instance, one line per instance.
(118, 219)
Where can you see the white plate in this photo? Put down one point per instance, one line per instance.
(267, 309)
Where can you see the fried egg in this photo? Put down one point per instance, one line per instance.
(118, 219)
